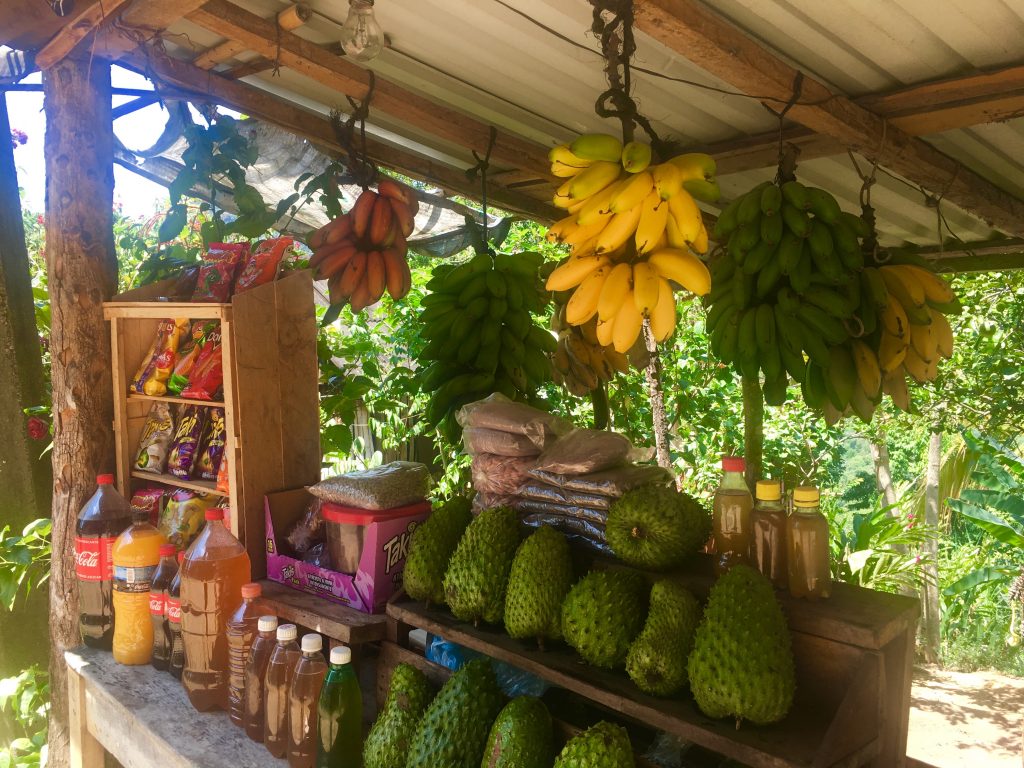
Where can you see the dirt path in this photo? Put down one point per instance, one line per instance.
(966, 719)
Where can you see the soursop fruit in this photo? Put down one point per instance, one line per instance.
(603, 613)
(387, 744)
(540, 578)
(521, 736)
(602, 746)
(741, 665)
(431, 547)
(657, 658)
(656, 527)
(454, 729)
(477, 575)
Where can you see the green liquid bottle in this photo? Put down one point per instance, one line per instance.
(341, 715)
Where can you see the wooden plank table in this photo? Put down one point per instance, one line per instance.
(143, 718)
(332, 620)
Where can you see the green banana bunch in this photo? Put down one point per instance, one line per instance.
(481, 337)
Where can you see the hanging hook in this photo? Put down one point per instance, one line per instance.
(482, 164)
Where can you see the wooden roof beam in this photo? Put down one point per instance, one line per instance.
(209, 86)
(307, 58)
(75, 31)
(292, 17)
(716, 45)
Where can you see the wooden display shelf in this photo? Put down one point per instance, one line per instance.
(202, 486)
(338, 622)
(172, 399)
(158, 310)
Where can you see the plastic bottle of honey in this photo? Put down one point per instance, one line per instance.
(810, 574)
(769, 522)
(732, 515)
(303, 700)
(283, 660)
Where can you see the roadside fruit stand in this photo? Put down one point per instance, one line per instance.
(621, 614)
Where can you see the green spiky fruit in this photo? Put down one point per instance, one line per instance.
(477, 575)
(521, 736)
(387, 745)
(540, 578)
(602, 746)
(657, 658)
(741, 665)
(656, 527)
(431, 547)
(453, 731)
(603, 613)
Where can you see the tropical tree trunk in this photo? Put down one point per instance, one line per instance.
(659, 415)
(753, 429)
(883, 474)
(25, 478)
(932, 619)
(82, 271)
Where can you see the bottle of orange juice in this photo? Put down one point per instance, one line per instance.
(212, 574)
(136, 555)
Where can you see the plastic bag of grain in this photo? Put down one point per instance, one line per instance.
(499, 413)
(385, 487)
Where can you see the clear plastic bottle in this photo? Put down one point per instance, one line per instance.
(136, 555)
(768, 522)
(810, 572)
(255, 677)
(241, 630)
(176, 661)
(165, 573)
(104, 517)
(215, 568)
(731, 515)
(280, 668)
(340, 742)
(303, 700)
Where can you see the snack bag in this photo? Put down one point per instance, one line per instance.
(262, 264)
(150, 501)
(162, 352)
(213, 446)
(223, 483)
(155, 441)
(184, 515)
(207, 374)
(185, 446)
(187, 354)
(217, 272)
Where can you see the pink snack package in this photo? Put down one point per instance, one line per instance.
(218, 270)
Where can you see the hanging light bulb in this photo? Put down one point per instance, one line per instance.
(361, 36)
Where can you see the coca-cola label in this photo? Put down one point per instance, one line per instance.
(129, 579)
(94, 558)
(174, 609)
(157, 603)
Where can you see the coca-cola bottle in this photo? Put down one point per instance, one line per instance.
(103, 518)
(165, 572)
(176, 662)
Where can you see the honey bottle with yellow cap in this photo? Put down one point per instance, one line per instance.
(768, 524)
(810, 574)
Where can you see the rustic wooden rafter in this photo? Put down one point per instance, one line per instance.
(292, 17)
(310, 125)
(716, 45)
(307, 58)
(70, 35)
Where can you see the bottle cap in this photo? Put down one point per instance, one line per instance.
(168, 550)
(312, 643)
(341, 654)
(806, 496)
(251, 590)
(286, 633)
(181, 557)
(216, 513)
(769, 490)
(104, 479)
(733, 464)
(267, 623)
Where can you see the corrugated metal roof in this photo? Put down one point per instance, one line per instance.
(493, 60)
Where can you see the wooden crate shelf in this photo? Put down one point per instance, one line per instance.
(852, 699)
(202, 486)
(338, 622)
(176, 400)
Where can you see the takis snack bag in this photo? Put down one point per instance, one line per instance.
(213, 446)
(207, 374)
(150, 501)
(155, 441)
(223, 483)
(217, 272)
(185, 447)
(161, 354)
(262, 264)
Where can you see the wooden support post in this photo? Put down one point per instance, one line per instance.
(82, 272)
(930, 584)
(85, 751)
(753, 428)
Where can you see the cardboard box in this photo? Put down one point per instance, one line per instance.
(385, 547)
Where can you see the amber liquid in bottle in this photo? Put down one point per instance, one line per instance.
(731, 518)
(769, 523)
(810, 573)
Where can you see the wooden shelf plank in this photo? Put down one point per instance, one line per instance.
(338, 622)
(203, 486)
(172, 399)
(793, 743)
(161, 309)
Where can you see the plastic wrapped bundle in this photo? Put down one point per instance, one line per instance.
(500, 475)
(385, 487)
(499, 413)
(590, 535)
(609, 482)
(583, 451)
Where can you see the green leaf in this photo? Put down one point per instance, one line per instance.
(975, 579)
(997, 528)
(331, 314)
(857, 560)
(173, 223)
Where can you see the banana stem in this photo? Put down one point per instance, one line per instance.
(753, 428)
(599, 399)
